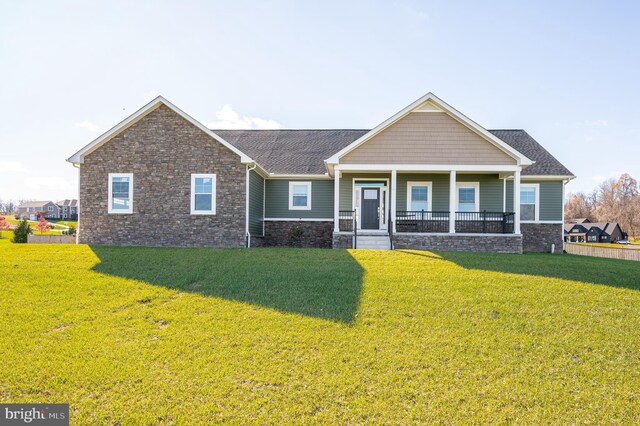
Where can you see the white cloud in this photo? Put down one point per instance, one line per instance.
(12, 167)
(227, 118)
(596, 123)
(88, 126)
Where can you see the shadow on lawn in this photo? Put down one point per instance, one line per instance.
(611, 272)
(319, 283)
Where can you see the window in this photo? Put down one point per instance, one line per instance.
(529, 202)
(203, 193)
(468, 197)
(50, 208)
(419, 196)
(299, 195)
(121, 193)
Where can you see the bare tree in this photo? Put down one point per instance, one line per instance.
(577, 206)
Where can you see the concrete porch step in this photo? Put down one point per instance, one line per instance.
(374, 242)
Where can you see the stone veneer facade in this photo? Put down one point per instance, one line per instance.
(538, 237)
(492, 243)
(162, 150)
(317, 234)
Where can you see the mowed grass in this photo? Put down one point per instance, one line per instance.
(290, 336)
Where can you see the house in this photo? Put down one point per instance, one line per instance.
(578, 220)
(29, 209)
(596, 232)
(428, 177)
(68, 209)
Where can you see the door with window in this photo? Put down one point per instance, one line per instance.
(370, 208)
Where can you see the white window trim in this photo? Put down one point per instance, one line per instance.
(411, 184)
(308, 185)
(194, 176)
(537, 205)
(475, 185)
(50, 208)
(110, 198)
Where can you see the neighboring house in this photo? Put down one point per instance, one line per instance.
(68, 209)
(596, 232)
(29, 209)
(579, 220)
(428, 177)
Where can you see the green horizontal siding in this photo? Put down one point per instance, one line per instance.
(440, 188)
(256, 203)
(346, 186)
(550, 198)
(277, 201)
(490, 190)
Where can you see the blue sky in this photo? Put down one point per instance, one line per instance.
(567, 72)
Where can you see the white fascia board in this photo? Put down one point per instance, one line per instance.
(78, 157)
(547, 177)
(296, 219)
(300, 176)
(426, 167)
(521, 159)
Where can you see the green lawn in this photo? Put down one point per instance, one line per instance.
(290, 336)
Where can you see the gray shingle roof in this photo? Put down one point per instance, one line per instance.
(545, 163)
(291, 151)
(304, 151)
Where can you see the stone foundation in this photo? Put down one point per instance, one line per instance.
(492, 243)
(314, 234)
(342, 241)
(538, 237)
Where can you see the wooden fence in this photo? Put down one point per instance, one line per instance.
(51, 239)
(595, 251)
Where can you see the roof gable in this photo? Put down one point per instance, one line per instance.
(78, 157)
(430, 103)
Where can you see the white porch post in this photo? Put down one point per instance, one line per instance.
(504, 195)
(336, 202)
(452, 202)
(394, 181)
(516, 201)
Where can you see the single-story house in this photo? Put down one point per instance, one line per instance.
(593, 232)
(30, 209)
(427, 177)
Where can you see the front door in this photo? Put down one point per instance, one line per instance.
(370, 208)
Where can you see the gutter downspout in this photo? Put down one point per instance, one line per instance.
(77, 166)
(246, 219)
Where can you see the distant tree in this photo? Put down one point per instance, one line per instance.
(20, 234)
(612, 201)
(577, 206)
(10, 207)
(40, 213)
(42, 225)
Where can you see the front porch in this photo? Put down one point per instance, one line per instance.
(471, 209)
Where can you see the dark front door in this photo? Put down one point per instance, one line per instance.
(370, 208)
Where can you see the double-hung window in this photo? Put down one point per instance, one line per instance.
(203, 193)
(468, 197)
(120, 193)
(529, 205)
(419, 196)
(299, 195)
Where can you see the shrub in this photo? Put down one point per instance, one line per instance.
(295, 235)
(71, 230)
(20, 234)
